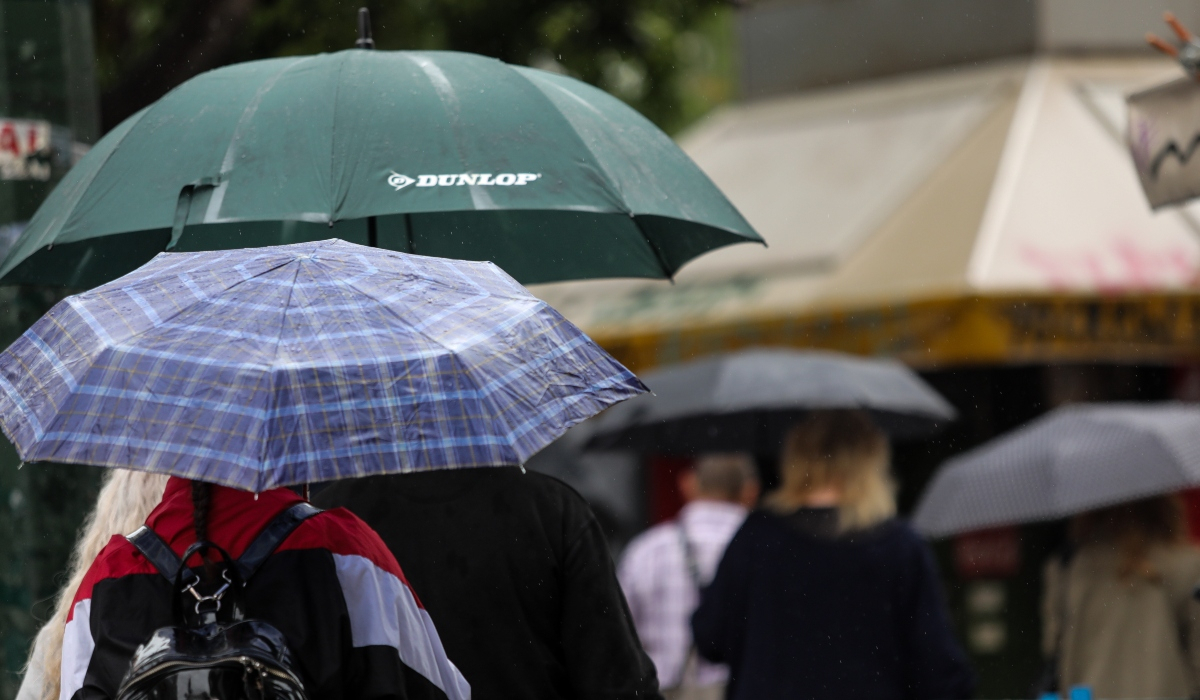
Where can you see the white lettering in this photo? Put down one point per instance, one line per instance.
(400, 181)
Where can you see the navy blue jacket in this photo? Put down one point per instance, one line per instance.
(800, 613)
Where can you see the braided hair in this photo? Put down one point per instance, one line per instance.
(201, 500)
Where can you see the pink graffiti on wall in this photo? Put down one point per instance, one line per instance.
(1121, 265)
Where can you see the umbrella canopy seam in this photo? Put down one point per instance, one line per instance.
(70, 213)
(272, 397)
(213, 211)
(610, 184)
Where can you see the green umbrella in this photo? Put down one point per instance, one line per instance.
(438, 153)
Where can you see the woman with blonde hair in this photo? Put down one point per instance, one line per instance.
(824, 593)
(126, 498)
(1118, 613)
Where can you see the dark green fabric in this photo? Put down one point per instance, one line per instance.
(273, 151)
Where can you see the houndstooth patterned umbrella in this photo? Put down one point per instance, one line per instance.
(263, 367)
(1074, 459)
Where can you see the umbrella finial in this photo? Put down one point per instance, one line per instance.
(364, 30)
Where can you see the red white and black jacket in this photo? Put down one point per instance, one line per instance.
(355, 627)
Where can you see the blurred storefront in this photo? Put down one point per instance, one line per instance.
(48, 116)
(976, 216)
(970, 209)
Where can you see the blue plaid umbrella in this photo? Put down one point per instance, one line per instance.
(264, 367)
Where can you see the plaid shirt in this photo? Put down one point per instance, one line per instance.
(660, 591)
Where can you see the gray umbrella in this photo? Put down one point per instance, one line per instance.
(746, 401)
(1071, 460)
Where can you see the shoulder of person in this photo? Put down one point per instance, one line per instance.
(1180, 566)
(761, 522)
(1185, 555)
(342, 533)
(118, 559)
(763, 517)
(894, 535)
(556, 495)
(901, 531)
(547, 485)
(650, 543)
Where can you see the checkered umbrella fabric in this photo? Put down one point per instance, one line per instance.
(264, 367)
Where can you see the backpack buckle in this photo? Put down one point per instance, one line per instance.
(214, 597)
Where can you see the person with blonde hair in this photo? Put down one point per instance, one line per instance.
(1118, 612)
(126, 498)
(346, 623)
(823, 593)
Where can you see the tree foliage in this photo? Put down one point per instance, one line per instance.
(670, 59)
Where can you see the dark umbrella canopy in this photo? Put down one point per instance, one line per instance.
(747, 400)
(437, 153)
(1072, 460)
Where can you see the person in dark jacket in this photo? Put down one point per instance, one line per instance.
(823, 593)
(351, 621)
(516, 573)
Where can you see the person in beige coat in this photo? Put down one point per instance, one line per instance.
(1125, 623)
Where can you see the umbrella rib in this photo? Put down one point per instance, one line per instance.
(139, 117)
(213, 212)
(333, 112)
(262, 455)
(4, 265)
(609, 181)
(434, 341)
(662, 262)
(163, 318)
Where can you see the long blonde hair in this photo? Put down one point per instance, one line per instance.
(125, 501)
(844, 450)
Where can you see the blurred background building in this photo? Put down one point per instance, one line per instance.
(945, 182)
(49, 113)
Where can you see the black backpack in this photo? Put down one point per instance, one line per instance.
(213, 651)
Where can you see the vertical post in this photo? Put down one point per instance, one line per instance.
(408, 233)
(372, 232)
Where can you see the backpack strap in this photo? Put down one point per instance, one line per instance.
(272, 536)
(157, 551)
(160, 554)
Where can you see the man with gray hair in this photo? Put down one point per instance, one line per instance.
(664, 568)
